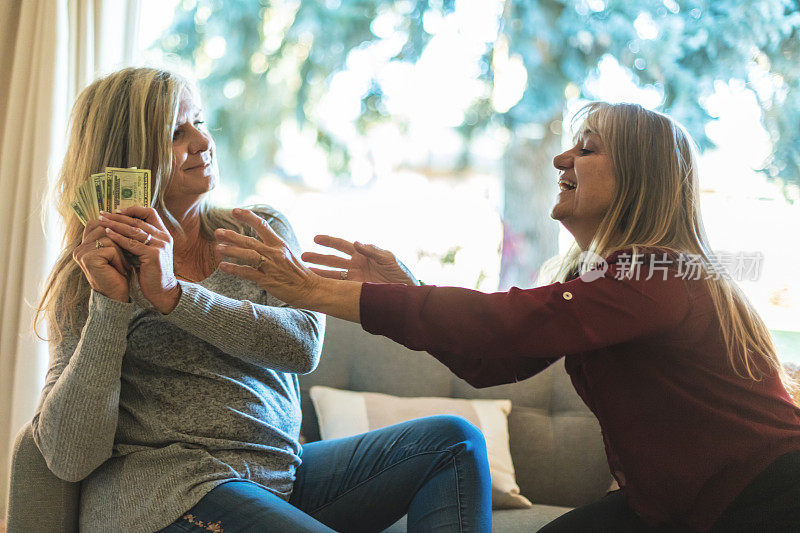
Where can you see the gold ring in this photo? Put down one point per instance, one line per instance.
(148, 239)
(98, 245)
(261, 263)
(343, 275)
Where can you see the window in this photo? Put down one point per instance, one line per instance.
(407, 126)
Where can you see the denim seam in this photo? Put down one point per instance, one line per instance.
(373, 476)
(458, 496)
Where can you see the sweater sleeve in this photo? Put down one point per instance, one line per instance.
(76, 420)
(278, 337)
(281, 338)
(490, 339)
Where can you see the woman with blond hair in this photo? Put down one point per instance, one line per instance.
(172, 393)
(699, 429)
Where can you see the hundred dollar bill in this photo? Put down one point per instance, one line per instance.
(128, 187)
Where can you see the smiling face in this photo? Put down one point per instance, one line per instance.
(587, 187)
(194, 169)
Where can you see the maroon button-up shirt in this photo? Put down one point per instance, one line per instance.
(683, 433)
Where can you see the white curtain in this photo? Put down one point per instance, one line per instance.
(52, 49)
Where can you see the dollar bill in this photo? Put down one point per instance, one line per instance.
(99, 182)
(82, 199)
(76, 206)
(129, 187)
(110, 190)
(90, 198)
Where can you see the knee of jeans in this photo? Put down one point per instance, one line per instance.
(456, 429)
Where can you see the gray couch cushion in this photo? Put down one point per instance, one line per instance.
(352, 359)
(556, 458)
(509, 520)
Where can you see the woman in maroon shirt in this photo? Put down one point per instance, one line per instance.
(679, 369)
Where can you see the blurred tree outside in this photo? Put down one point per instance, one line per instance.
(268, 69)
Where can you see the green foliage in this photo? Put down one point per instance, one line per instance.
(280, 82)
(698, 43)
(274, 71)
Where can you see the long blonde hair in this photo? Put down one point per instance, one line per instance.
(657, 204)
(125, 119)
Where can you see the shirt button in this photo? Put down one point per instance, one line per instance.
(567, 295)
(620, 477)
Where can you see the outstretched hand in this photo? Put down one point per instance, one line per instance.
(267, 261)
(366, 262)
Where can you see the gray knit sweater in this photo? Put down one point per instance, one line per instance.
(151, 412)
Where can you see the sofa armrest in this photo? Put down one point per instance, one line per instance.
(37, 499)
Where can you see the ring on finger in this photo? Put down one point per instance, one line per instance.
(98, 245)
(261, 262)
(148, 239)
(343, 275)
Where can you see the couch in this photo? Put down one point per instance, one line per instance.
(556, 443)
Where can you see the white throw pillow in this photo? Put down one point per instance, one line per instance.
(344, 413)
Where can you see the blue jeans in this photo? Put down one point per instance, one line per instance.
(432, 468)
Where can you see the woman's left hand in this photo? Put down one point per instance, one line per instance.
(269, 262)
(140, 231)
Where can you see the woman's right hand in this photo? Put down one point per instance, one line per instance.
(365, 263)
(102, 262)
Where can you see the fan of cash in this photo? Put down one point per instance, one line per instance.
(116, 188)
